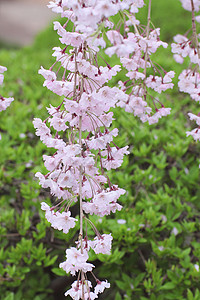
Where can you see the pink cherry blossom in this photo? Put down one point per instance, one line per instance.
(4, 102)
(76, 290)
(60, 221)
(189, 79)
(195, 133)
(79, 126)
(102, 244)
(100, 287)
(194, 117)
(76, 260)
(187, 4)
(2, 70)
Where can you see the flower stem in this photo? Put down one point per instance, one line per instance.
(194, 30)
(148, 29)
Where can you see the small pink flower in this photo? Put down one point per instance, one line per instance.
(76, 260)
(102, 244)
(60, 221)
(100, 287)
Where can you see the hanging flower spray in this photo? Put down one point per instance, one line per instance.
(79, 127)
(187, 46)
(4, 102)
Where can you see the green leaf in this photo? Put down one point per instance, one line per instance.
(168, 286)
(189, 295)
(117, 296)
(59, 271)
(50, 261)
(122, 285)
(10, 296)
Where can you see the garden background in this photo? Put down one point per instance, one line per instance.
(156, 250)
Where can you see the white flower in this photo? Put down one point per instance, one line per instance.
(60, 221)
(174, 231)
(102, 244)
(100, 287)
(121, 221)
(76, 260)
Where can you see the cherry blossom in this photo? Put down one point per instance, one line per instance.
(100, 287)
(60, 221)
(187, 4)
(79, 126)
(134, 50)
(4, 102)
(194, 117)
(76, 260)
(102, 244)
(78, 288)
(188, 46)
(195, 133)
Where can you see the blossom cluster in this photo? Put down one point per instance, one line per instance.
(4, 102)
(79, 131)
(145, 79)
(79, 127)
(188, 46)
(188, 6)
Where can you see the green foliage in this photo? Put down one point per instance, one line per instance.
(156, 252)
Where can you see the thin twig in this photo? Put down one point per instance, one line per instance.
(194, 30)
